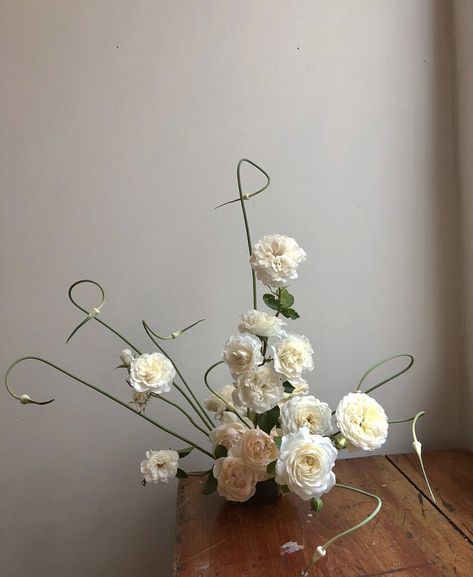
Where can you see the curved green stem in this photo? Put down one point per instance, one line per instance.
(200, 411)
(161, 398)
(93, 314)
(206, 376)
(322, 549)
(370, 370)
(175, 334)
(418, 449)
(242, 198)
(25, 399)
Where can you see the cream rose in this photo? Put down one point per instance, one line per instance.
(301, 387)
(152, 372)
(256, 449)
(230, 430)
(305, 464)
(260, 390)
(215, 403)
(242, 353)
(260, 324)
(160, 466)
(306, 411)
(292, 355)
(275, 259)
(236, 481)
(362, 421)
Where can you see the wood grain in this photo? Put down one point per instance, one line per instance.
(409, 538)
(451, 477)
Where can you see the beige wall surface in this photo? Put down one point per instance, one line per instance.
(122, 122)
(463, 50)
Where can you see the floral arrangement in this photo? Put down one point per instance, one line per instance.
(265, 426)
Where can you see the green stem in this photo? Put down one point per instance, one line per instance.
(161, 398)
(242, 197)
(94, 314)
(199, 409)
(192, 405)
(25, 399)
(207, 372)
(418, 449)
(411, 362)
(320, 551)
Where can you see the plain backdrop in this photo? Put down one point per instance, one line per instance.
(121, 126)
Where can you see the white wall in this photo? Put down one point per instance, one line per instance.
(122, 123)
(463, 49)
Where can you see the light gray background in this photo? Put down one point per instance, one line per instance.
(122, 123)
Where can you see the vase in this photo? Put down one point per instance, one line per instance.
(266, 492)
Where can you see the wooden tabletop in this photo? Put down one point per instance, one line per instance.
(411, 536)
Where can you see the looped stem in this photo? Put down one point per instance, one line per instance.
(321, 550)
(370, 370)
(242, 197)
(94, 313)
(98, 390)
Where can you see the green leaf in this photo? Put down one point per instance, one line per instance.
(284, 490)
(181, 474)
(288, 388)
(210, 484)
(220, 451)
(184, 452)
(271, 301)
(290, 314)
(266, 421)
(316, 504)
(277, 441)
(286, 299)
(271, 468)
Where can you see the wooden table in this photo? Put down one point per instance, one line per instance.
(411, 536)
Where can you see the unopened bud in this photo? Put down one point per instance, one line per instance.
(316, 504)
(25, 399)
(340, 442)
(126, 357)
(321, 552)
(417, 447)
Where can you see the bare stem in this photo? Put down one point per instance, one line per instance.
(25, 399)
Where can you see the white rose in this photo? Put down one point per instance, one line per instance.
(301, 387)
(306, 411)
(362, 421)
(152, 372)
(292, 355)
(305, 464)
(260, 390)
(260, 324)
(256, 449)
(126, 357)
(275, 259)
(229, 432)
(160, 466)
(242, 353)
(140, 400)
(236, 481)
(215, 404)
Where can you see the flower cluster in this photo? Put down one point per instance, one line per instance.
(269, 426)
(266, 426)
